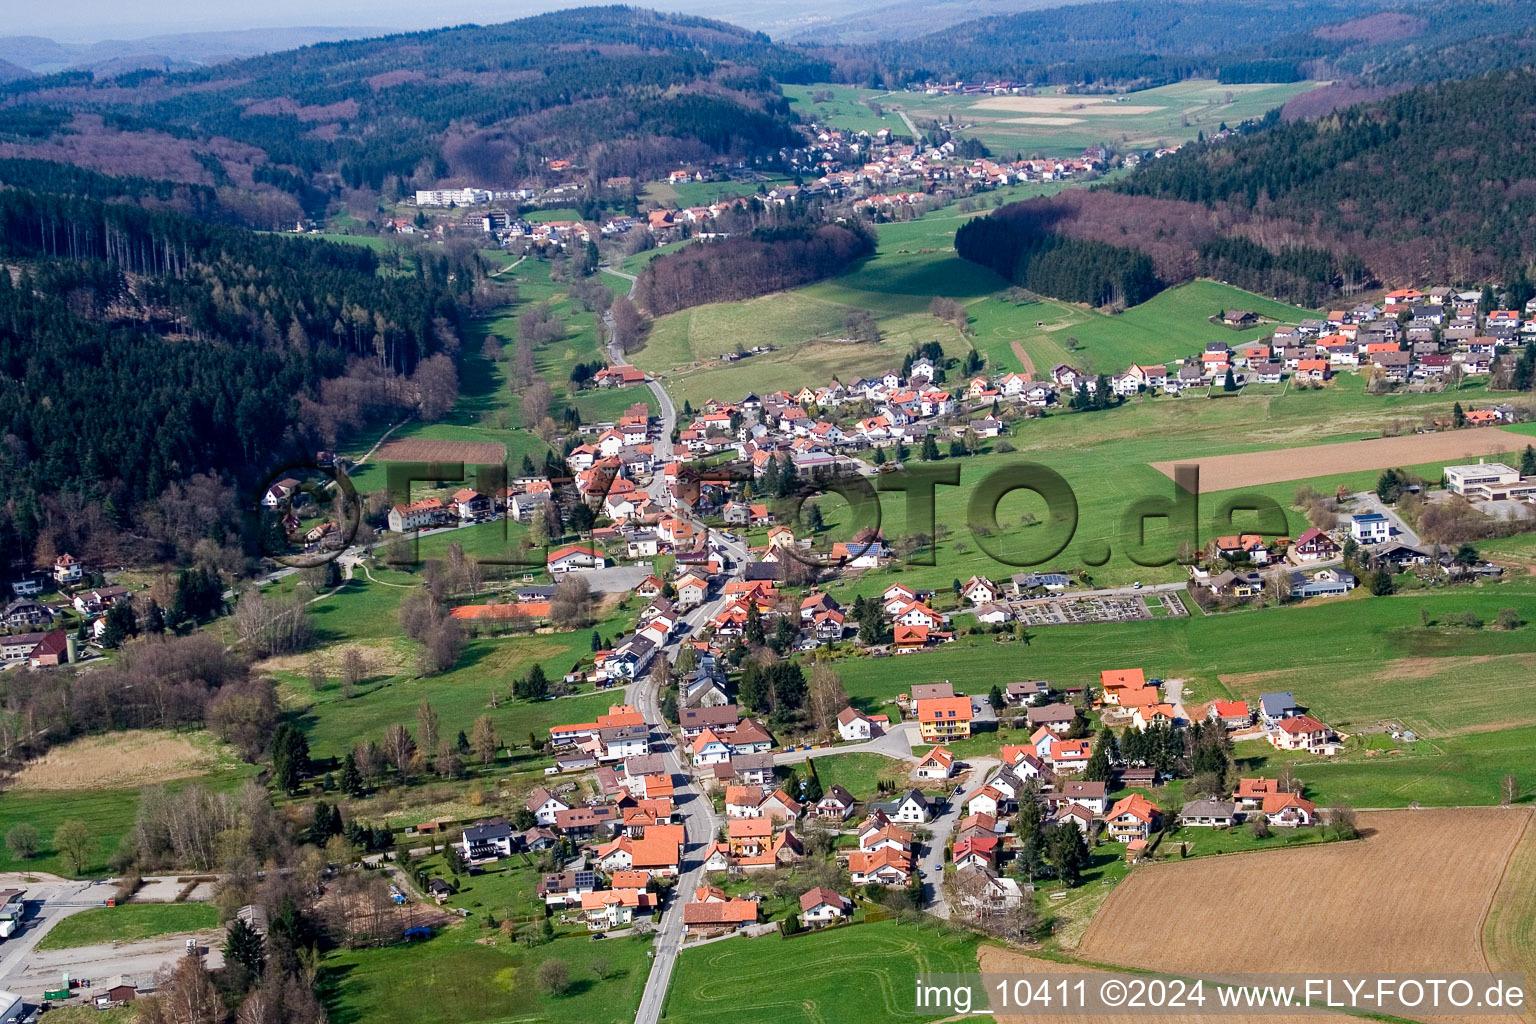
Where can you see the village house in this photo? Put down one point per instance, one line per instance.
(1208, 813)
(936, 765)
(822, 906)
(1133, 817)
(944, 719)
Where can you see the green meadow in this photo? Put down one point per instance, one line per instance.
(472, 975)
(1051, 123)
(813, 976)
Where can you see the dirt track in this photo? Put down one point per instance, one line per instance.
(1251, 469)
(1024, 360)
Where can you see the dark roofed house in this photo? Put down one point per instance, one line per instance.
(1056, 717)
(486, 841)
(52, 649)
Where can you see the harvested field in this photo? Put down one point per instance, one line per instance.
(1062, 105)
(1043, 120)
(1037, 104)
(1251, 469)
(118, 761)
(994, 960)
(421, 449)
(1411, 896)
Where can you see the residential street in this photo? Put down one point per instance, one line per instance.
(931, 863)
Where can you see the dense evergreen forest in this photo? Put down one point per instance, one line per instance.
(1437, 181)
(597, 86)
(139, 349)
(770, 260)
(1143, 43)
(1017, 243)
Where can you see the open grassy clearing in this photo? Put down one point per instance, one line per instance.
(1052, 123)
(335, 724)
(858, 773)
(685, 348)
(126, 759)
(487, 410)
(108, 813)
(811, 976)
(1470, 693)
(1425, 876)
(847, 109)
(129, 923)
(475, 976)
(1171, 324)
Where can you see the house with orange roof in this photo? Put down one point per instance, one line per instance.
(1154, 714)
(1251, 792)
(1303, 732)
(883, 866)
(1288, 810)
(944, 719)
(1233, 714)
(938, 764)
(1132, 817)
(1114, 682)
(743, 801)
(915, 613)
(986, 800)
(822, 906)
(975, 853)
(615, 908)
(748, 837)
(709, 748)
(1313, 370)
(717, 917)
(1070, 755)
(618, 716)
(572, 557)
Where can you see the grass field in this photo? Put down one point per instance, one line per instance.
(1051, 123)
(108, 813)
(487, 410)
(1426, 878)
(685, 348)
(813, 976)
(858, 773)
(914, 261)
(129, 923)
(474, 976)
(847, 109)
(1172, 324)
(335, 724)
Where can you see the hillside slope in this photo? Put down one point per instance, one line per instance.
(619, 90)
(1433, 184)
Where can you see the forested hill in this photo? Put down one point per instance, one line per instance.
(1138, 43)
(1439, 180)
(614, 89)
(140, 349)
(1434, 184)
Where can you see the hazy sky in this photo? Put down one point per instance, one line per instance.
(92, 20)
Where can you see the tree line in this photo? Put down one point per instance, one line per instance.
(741, 268)
(1016, 245)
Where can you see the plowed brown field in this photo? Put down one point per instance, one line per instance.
(1251, 469)
(1411, 896)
